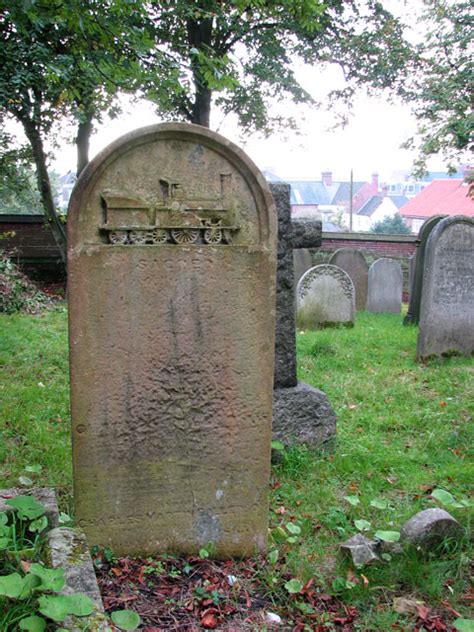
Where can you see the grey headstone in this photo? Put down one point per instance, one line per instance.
(430, 527)
(353, 262)
(302, 414)
(385, 286)
(302, 262)
(412, 316)
(447, 302)
(325, 296)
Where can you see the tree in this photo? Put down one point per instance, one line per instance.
(441, 83)
(392, 225)
(18, 191)
(245, 52)
(67, 58)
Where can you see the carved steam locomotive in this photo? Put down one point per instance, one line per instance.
(176, 218)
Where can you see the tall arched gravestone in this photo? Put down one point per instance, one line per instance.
(385, 286)
(325, 296)
(353, 262)
(412, 316)
(447, 302)
(172, 263)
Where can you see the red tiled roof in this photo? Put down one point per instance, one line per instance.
(441, 197)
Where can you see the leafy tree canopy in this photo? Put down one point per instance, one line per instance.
(441, 83)
(393, 225)
(245, 53)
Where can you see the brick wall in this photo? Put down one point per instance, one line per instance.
(371, 244)
(32, 244)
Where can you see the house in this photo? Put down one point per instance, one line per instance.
(375, 209)
(440, 197)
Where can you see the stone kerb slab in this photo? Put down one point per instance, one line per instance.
(353, 262)
(447, 302)
(412, 316)
(325, 296)
(385, 286)
(171, 258)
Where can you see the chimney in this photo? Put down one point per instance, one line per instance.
(326, 177)
(375, 182)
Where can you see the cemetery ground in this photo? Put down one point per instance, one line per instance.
(404, 431)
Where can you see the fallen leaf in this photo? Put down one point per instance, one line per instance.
(209, 621)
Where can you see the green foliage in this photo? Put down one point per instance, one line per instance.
(126, 619)
(17, 292)
(244, 53)
(393, 225)
(18, 189)
(440, 85)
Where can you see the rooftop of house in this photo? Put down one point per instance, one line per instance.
(441, 197)
(399, 200)
(371, 205)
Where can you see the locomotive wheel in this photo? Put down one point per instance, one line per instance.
(159, 236)
(118, 237)
(184, 235)
(212, 236)
(138, 236)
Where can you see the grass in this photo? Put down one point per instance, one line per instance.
(404, 429)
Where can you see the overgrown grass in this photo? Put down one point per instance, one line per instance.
(403, 430)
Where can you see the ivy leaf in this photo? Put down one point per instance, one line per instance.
(34, 469)
(294, 586)
(353, 500)
(379, 503)
(25, 481)
(38, 525)
(54, 607)
(51, 578)
(464, 625)
(30, 583)
(278, 445)
(33, 624)
(293, 528)
(27, 507)
(3, 518)
(444, 497)
(387, 536)
(273, 556)
(11, 585)
(362, 525)
(81, 605)
(126, 619)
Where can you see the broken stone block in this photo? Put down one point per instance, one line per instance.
(67, 549)
(430, 528)
(362, 550)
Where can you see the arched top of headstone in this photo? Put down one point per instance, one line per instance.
(172, 184)
(327, 270)
(351, 256)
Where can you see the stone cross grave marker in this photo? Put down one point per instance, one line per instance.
(325, 296)
(412, 317)
(447, 302)
(353, 262)
(172, 260)
(301, 413)
(385, 286)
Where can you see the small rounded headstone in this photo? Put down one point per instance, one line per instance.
(385, 286)
(430, 527)
(353, 262)
(325, 297)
